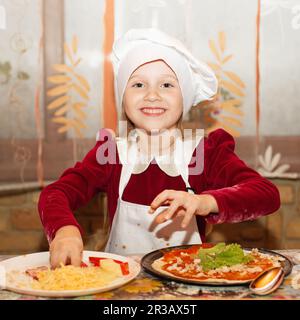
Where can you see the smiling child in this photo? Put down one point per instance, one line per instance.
(164, 185)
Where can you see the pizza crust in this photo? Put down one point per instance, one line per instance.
(158, 266)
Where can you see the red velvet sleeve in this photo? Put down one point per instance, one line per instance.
(73, 189)
(241, 192)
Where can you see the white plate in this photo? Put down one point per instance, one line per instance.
(21, 263)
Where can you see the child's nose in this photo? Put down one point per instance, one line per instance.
(152, 94)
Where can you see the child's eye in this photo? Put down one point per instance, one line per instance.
(167, 85)
(138, 85)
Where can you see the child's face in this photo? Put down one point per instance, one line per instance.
(152, 99)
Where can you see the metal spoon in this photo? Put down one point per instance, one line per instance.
(268, 281)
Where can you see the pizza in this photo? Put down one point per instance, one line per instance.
(215, 264)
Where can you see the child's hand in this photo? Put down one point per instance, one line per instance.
(184, 204)
(66, 247)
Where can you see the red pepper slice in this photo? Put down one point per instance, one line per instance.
(83, 264)
(124, 268)
(96, 261)
(123, 265)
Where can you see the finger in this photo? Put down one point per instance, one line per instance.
(54, 255)
(60, 258)
(187, 217)
(158, 200)
(54, 260)
(180, 212)
(172, 209)
(164, 203)
(166, 214)
(161, 198)
(160, 218)
(76, 256)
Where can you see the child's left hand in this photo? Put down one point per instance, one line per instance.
(184, 204)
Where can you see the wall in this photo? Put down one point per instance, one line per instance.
(279, 230)
(33, 147)
(21, 230)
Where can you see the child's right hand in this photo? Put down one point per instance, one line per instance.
(66, 247)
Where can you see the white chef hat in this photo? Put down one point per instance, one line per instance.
(138, 46)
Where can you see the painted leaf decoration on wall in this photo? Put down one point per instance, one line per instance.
(230, 106)
(231, 121)
(63, 68)
(232, 102)
(235, 78)
(62, 111)
(78, 123)
(226, 59)
(79, 105)
(230, 129)
(222, 41)
(76, 63)
(214, 66)
(268, 156)
(78, 111)
(62, 120)
(58, 102)
(232, 88)
(262, 162)
(59, 79)
(269, 164)
(64, 129)
(80, 91)
(83, 82)
(68, 53)
(75, 44)
(214, 50)
(283, 168)
(71, 92)
(275, 161)
(57, 91)
(227, 106)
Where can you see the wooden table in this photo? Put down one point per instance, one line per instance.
(148, 287)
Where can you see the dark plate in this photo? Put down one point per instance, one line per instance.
(149, 258)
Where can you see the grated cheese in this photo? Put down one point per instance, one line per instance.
(77, 278)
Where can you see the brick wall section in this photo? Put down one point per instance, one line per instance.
(280, 230)
(21, 230)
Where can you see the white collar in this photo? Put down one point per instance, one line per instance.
(172, 163)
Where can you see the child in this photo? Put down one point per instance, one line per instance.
(156, 197)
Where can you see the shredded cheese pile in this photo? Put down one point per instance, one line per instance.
(77, 278)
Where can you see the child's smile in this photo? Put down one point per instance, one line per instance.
(153, 111)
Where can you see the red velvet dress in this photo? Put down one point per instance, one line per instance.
(241, 193)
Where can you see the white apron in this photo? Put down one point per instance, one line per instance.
(134, 230)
